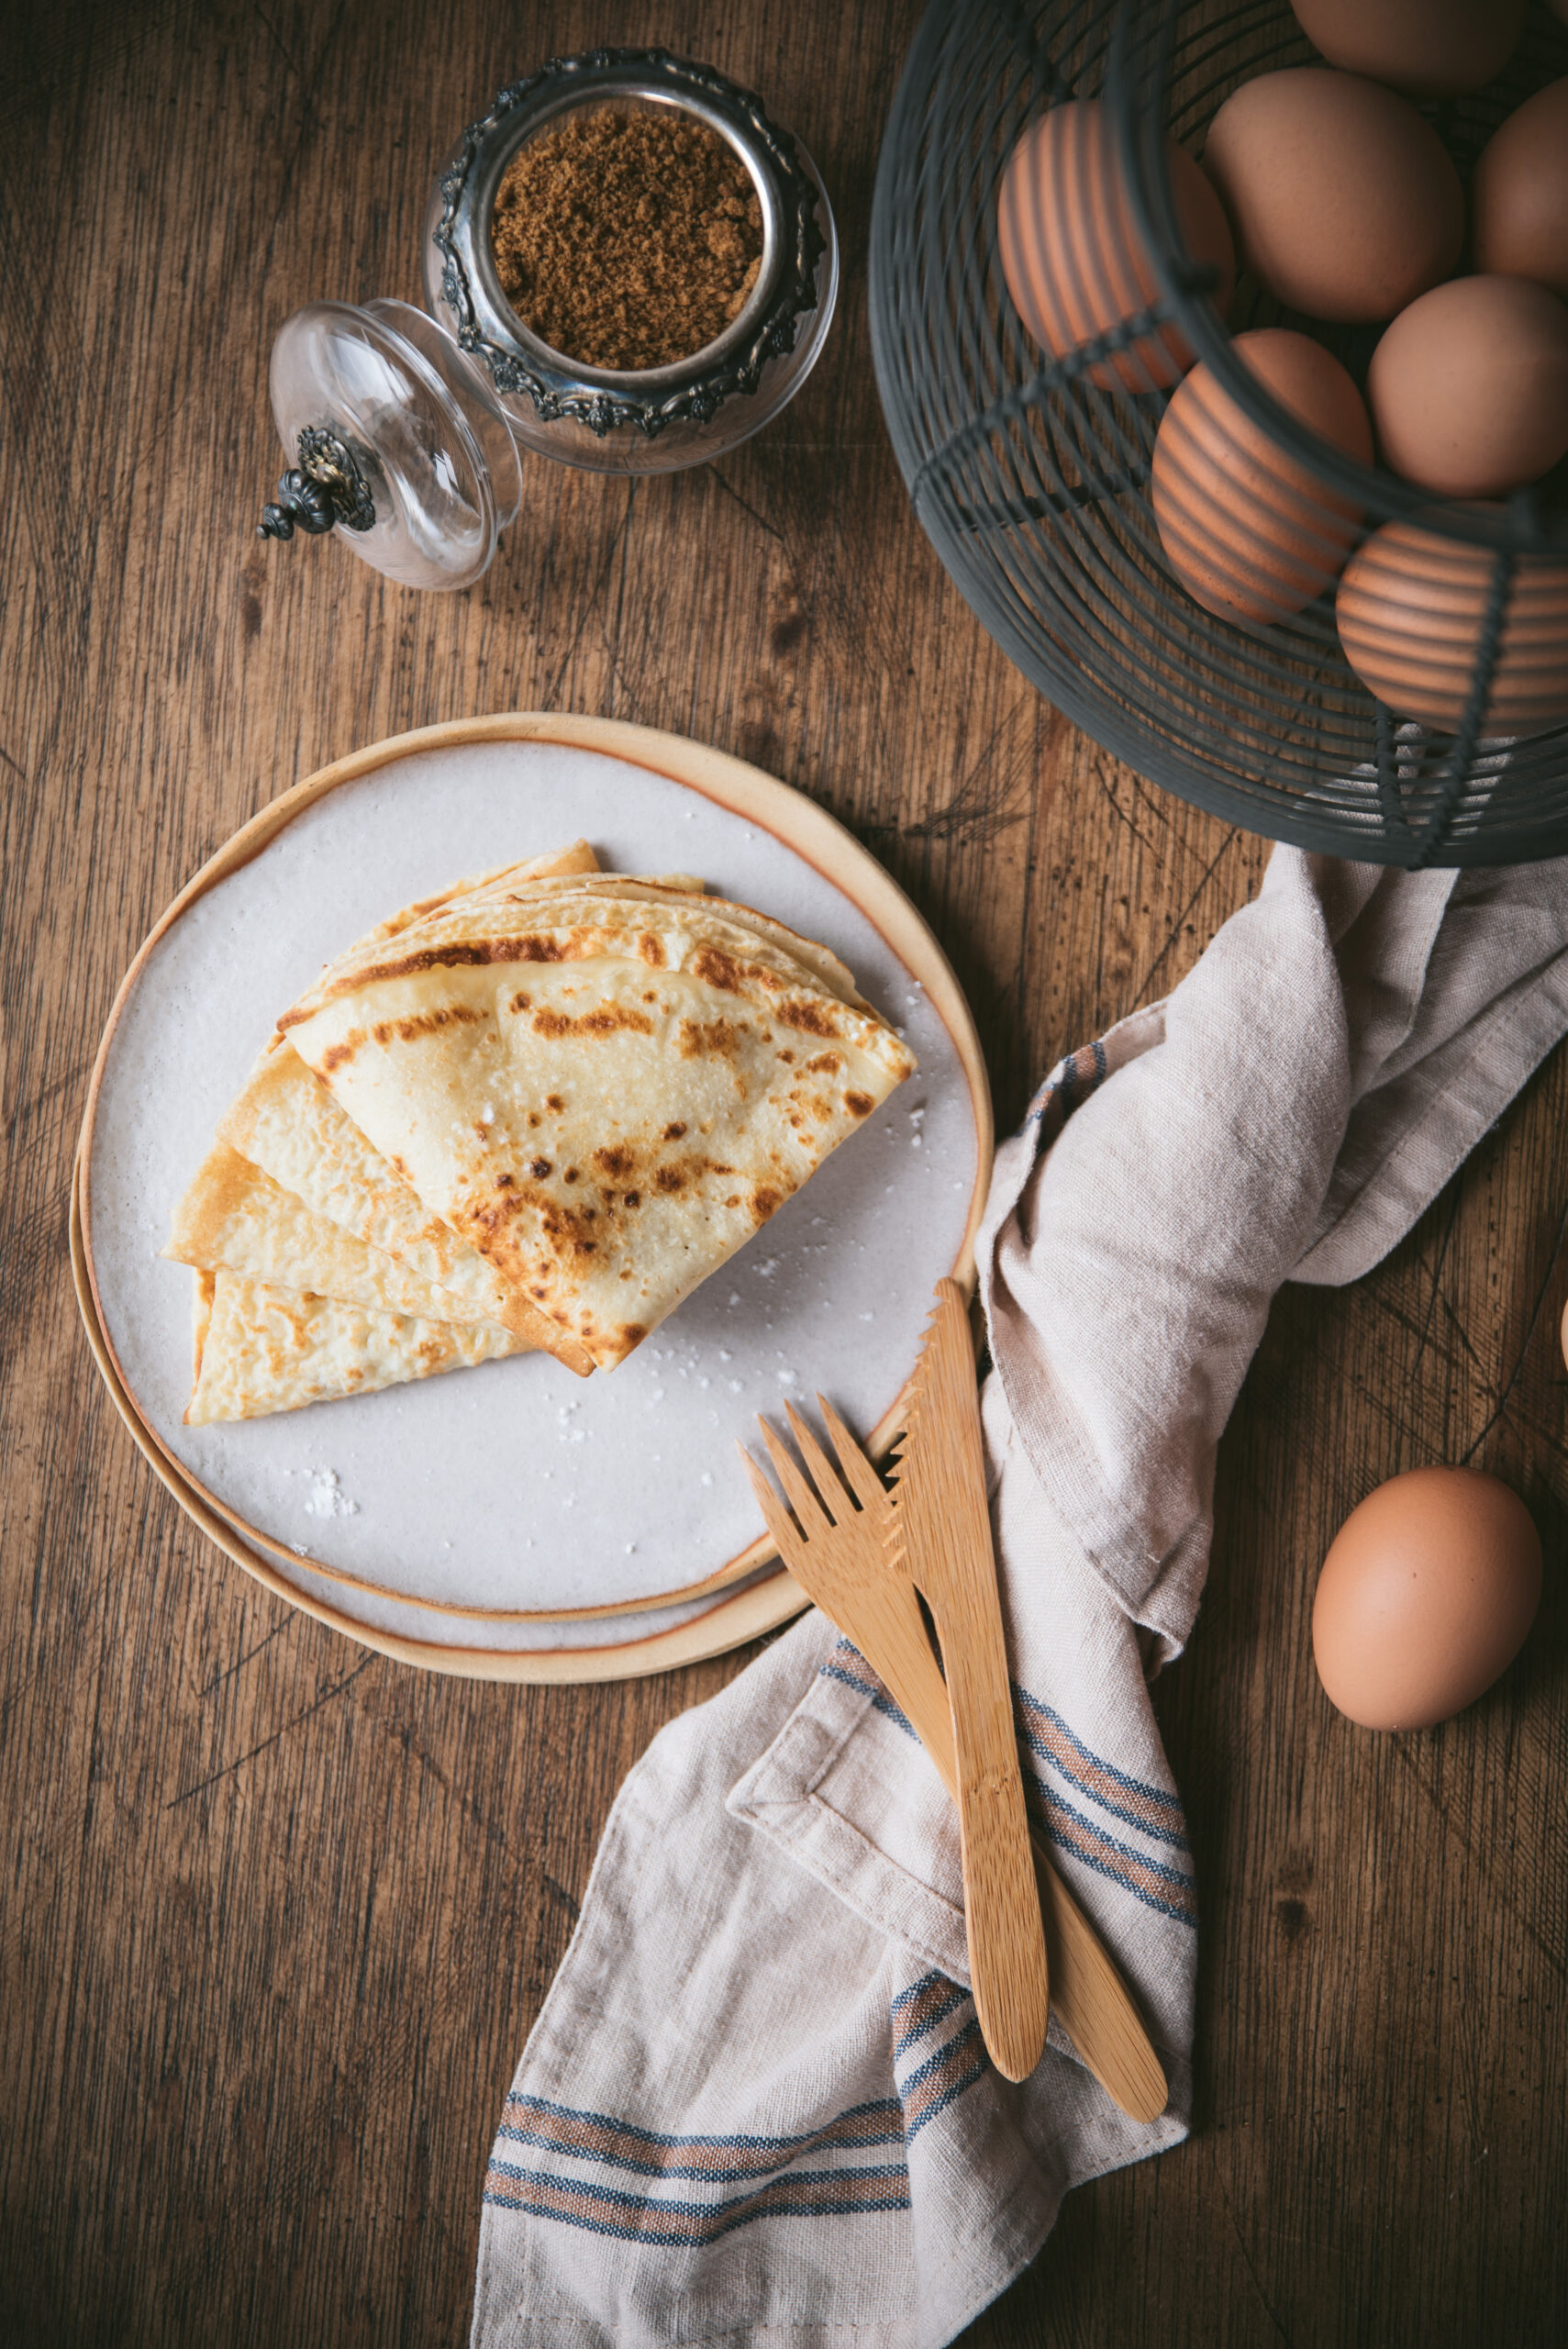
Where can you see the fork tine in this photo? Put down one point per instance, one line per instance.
(777, 1518)
(830, 1484)
(859, 1474)
(814, 1521)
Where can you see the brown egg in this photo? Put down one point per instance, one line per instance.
(1249, 531)
(1519, 197)
(1411, 609)
(1434, 48)
(1469, 387)
(1425, 1597)
(1072, 255)
(1344, 201)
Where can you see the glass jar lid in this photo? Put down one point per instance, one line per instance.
(404, 431)
(400, 442)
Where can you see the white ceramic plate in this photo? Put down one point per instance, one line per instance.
(494, 1505)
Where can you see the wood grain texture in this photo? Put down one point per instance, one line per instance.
(276, 1914)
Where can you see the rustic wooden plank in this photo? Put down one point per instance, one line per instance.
(278, 1915)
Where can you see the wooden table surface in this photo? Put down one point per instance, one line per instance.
(277, 1913)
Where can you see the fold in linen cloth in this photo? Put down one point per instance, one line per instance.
(755, 2109)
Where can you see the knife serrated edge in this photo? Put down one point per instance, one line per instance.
(896, 1465)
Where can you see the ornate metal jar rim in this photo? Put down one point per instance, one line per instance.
(603, 399)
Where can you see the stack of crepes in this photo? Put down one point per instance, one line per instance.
(532, 1112)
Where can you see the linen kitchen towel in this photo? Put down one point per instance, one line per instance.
(755, 2109)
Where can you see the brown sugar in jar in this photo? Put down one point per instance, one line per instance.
(626, 241)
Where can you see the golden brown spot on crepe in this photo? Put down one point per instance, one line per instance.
(824, 1064)
(670, 1179)
(553, 1101)
(651, 951)
(673, 1132)
(787, 1057)
(569, 1175)
(618, 1162)
(816, 1019)
(860, 1103)
(478, 951)
(634, 1199)
(717, 969)
(632, 1333)
(562, 1232)
(503, 1180)
(539, 1169)
(339, 1055)
(519, 1002)
(766, 1201)
(733, 1200)
(710, 1039)
(604, 1021)
(426, 1023)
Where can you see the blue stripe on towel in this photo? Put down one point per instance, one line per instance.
(1155, 1810)
(640, 2218)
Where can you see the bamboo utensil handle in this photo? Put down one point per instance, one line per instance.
(839, 1558)
(939, 1535)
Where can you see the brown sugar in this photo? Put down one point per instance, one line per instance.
(626, 241)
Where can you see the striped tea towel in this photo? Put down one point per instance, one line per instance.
(755, 2109)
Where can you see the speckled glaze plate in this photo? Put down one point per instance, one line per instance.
(513, 1520)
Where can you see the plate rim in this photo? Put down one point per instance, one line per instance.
(805, 828)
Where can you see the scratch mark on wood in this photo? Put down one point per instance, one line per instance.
(1123, 817)
(229, 1768)
(746, 507)
(573, 1907)
(1232, 837)
(290, 1623)
(1512, 1378)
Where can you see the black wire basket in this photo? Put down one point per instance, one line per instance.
(1032, 467)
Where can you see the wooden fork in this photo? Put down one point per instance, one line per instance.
(838, 1554)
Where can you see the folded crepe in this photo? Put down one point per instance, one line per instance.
(261, 1348)
(234, 1217)
(560, 864)
(323, 1272)
(604, 1088)
(286, 1122)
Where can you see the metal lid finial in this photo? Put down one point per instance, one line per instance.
(327, 487)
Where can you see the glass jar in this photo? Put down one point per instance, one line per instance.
(404, 428)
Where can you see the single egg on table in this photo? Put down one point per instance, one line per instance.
(1344, 201)
(1519, 196)
(1425, 1597)
(1247, 529)
(1469, 387)
(1072, 255)
(1433, 48)
(1411, 608)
